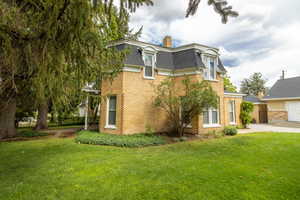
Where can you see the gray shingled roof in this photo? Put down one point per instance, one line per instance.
(252, 99)
(285, 88)
(167, 60)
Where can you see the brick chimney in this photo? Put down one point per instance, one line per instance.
(167, 42)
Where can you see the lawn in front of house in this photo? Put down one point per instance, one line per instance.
(254, 166)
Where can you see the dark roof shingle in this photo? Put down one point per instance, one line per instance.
(167, 60)
(285, 88)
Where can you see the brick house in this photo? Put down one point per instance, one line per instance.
(129, 97)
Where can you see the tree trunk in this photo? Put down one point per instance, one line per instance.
(42, 122)
(7, 120)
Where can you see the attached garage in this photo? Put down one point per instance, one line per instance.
(293, 109)
(283, 100)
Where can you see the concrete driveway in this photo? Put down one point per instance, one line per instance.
(268, 128)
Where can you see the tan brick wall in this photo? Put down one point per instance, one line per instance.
(275, 116)
(255, 113)
(135, 110)
(276, 106)
(238, 101)
(112, 88)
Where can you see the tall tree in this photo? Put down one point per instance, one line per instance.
(47, 40)
(254, 85)
(228, 85)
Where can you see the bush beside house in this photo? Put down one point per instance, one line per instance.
(137, 140)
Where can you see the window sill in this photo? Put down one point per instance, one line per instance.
(189, 126)
(211, 125)
(110, 127)
(212, 80)
(233, 123)
(149, 78)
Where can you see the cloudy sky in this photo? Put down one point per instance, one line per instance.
(264, 38)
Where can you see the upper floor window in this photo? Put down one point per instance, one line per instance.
(210, 72)
(149, 65)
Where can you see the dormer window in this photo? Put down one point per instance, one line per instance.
(211, 68)
(149, 65)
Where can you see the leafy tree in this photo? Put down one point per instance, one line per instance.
(246, 110)
(182, 108)
(254, 85)
(228, 85)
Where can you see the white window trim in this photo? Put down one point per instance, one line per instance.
(234, 113)
(212, 125)
(110, 126)
(153, 64)
(207, 67)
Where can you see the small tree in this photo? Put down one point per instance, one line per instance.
(246, 110)
(181, 108)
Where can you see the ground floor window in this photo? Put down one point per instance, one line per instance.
(231, 108)
(211, 116)
(111, 111)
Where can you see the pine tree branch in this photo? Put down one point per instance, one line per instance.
(219, 7)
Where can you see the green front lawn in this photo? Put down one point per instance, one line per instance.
(257, 166)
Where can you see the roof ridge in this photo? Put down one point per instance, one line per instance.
(289, 78)
(168, 48)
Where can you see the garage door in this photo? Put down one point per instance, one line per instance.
(294, 111)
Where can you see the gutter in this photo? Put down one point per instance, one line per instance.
(280, 98)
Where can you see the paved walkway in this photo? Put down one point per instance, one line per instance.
(268, 128)
(62, 132)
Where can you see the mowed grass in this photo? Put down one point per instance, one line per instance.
(256, 166)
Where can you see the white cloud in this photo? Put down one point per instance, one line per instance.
(264, 38)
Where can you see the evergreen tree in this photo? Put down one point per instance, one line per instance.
(43, 42)
(254, 85)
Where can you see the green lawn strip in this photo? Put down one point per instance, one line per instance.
(137, 140)
(253, 166)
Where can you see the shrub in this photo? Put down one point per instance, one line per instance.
(246, 110)
(31, 133)
(230, 130)
(137, 140)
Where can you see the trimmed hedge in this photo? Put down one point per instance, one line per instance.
(137, 140)
(230, 130)
(31, 133)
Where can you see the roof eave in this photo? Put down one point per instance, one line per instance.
(280, 98)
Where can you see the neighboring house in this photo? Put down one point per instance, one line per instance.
(260, 112)
(284, 100)
(129, 104)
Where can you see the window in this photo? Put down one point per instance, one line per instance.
(149, 69)
(210, 72)
(211, 117)
(111, 111)
(231, 108)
